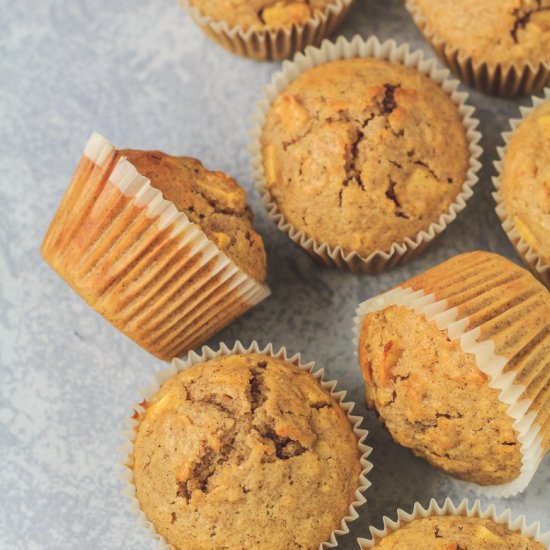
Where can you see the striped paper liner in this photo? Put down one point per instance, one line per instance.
(140, 262)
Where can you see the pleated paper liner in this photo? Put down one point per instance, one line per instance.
(499, 79)
(139, 261)
(501, 314)
(517, 525)
(399, 252)
(207, 354)
(538, 265)
(272, 44)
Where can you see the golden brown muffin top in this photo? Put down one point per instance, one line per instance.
(212, 200)
(433, 398)
(245, 451)
(495, 31)
(362, 153)
(526, 180)
(454, 533)
(261, 14)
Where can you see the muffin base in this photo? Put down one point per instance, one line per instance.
(532, 259)
(399, 253)
(206, 354)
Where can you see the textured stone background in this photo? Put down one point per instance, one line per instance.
(141, 73)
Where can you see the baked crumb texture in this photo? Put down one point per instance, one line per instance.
(432, 396)
(524, 188)
(211, 199)
(245, 451)
(363, 153)
(450, 527)
(262, 14)
(268, 29)
(500, 46)
(135, 258)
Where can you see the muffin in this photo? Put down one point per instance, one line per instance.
(361, 156)
(523, 196)
(448, 354)
(168, 272)
(454, 528)
(267, 29)
(501, 47)
(433, 533)
(246, 450)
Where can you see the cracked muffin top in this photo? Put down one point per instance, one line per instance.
(245, 451)
(262, 14)
(525, 180)
(495, 31)
(212, 200)
(455, 533)
(362, 153)
(433, 399)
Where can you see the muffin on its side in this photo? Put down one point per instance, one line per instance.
(447, 354)
(501, 47)
(363, 154)
(433, 399)
(244, 451)
(452, 532)
(168, 272)
(267, 29)
(524, 195)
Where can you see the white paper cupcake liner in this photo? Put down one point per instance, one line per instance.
(343, 49)
(139, 261)
(448, 508)
(501, 79)
(272, 44)
(488, 362)
(538, 266)
(207, 354)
